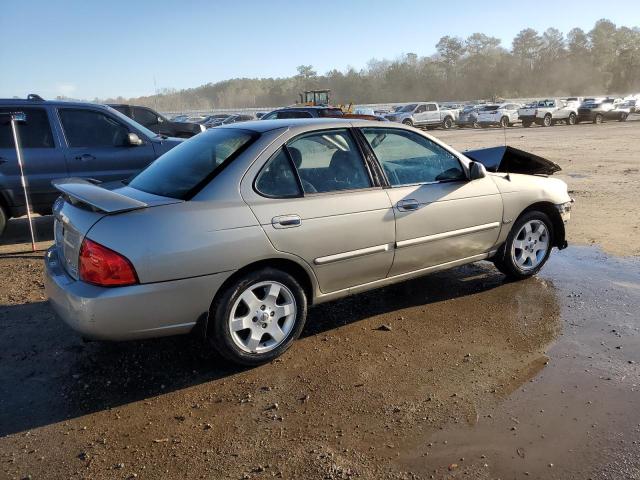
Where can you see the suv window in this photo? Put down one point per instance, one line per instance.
(34, 133)
(328, 161)
(145, 116)
(409, 158)
(186, 168)
(90, 128)
(278, 178)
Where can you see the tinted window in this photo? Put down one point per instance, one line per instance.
(431, 107)
(409, 158)
(89, 128)
(34, 133)
(183, 170)
(330, 112)
(421, 109)
(145, 117)
(292, 114)
(277, 178)
(328, 161)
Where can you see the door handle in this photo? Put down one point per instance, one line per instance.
(408, 205)
(84, 157)
(286, 221)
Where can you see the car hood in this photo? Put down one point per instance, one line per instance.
(512, 160)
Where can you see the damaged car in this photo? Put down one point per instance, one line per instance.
(235, 233)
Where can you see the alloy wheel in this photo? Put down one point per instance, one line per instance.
(530, 245)
(262, 317)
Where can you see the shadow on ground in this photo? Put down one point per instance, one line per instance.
(48, 374)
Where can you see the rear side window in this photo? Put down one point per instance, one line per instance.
(408, 158)
(90, 128)
(185, 169)
(34, 133)
(328, 161)
(278, 179)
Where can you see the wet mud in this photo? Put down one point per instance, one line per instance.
(456, 375)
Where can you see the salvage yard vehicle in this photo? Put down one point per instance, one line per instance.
(504, 114)
(469, 116)
(158, 123)
(236, 232)
(548, 112)
(61, 139)
(317, 112)
(598, 110)
(427, 114)
(217, 120)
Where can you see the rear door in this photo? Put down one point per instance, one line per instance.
(98, 147)
(315, 198)
(441, 216)
(43, 157)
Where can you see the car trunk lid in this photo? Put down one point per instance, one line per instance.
(83, 203)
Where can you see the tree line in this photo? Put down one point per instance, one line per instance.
(605, 59)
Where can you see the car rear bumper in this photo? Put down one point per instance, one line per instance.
(133, 312)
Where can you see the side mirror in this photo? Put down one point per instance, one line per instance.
(134, 140)
(476, 171)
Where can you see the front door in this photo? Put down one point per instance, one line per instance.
(315, 199)
(43, 159)
(441, 216)
(98, 146)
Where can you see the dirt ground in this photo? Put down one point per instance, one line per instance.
(472, 377)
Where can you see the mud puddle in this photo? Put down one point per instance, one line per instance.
(454, 375)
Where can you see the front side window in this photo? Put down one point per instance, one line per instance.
(185, 169)
(90, 128)
(328, 161)
(408, 158)
(432, 107)
(34, 133)
(421, 109)
(278, 179)
(145, 117)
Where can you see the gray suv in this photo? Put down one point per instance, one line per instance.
(63, 139)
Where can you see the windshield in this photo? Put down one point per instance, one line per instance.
(185, 169)
(408, 108)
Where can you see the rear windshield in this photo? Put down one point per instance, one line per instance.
(185, 169)
(491, 108)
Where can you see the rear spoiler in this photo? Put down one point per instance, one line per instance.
(512, 160)
(99, 198)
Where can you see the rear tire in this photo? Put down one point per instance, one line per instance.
(623, 117)
(547, 121)
(526, 123)
(447, 123)
(250, 309)
(527, 247)
(598, 119)
(3, 220)
(504, 122)
(407, 122)
(572, 119)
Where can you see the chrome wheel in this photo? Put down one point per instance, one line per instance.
(262, 317)
(530, 246)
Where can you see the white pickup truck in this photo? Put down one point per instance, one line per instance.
(425, 114)
(548, 112)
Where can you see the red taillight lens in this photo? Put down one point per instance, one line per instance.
(102, 266)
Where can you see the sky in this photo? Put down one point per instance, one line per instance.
(86, 49)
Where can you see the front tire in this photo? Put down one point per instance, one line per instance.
(526, 123)
(547, 121)
(598, 119)
(447, 123)
(572, 119)
(527, 247)
(257, 317)
(407, 122)
(504, 122)
(623, 117)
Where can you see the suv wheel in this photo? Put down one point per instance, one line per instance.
(3, 220)
(527, 247)
(257, 317)
(623, 117)
(526, 123)
(447, 123)
(407, 122)
(598, 118)
(504, 122)
(572, 119)
(546, 121)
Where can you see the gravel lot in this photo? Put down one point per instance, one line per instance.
(470, 377)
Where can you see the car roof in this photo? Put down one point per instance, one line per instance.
(21, 102)
(262, 126)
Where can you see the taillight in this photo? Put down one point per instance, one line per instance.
(102, 266)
